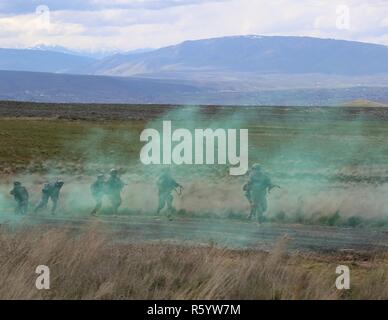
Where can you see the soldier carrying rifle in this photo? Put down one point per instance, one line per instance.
(166, 185)
(114, 187)
(20, 195)
(256, 190)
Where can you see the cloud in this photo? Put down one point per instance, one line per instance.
(131, 24)
(25, 7)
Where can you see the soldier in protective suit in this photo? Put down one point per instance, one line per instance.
(98, 190)
(21, 196)
(114, 186)
(256, 190)
(166, 185)
(50, 191)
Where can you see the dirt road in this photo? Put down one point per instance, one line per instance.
(223, 232)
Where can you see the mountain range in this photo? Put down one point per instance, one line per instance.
(219, 68)
(41, 61)
(253, 54)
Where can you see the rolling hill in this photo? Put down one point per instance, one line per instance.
(51, 87)
(65, 88)
(365, 104)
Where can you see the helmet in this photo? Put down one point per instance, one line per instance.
(113, 172)
(17, 183)
(59, 183)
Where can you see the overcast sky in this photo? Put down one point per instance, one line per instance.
(133, 24)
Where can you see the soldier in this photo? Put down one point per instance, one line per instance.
(50, 191)
(114, 186)
(20, 195)
(166, 185)
(98, 190)
(256, 189)
(55, 194)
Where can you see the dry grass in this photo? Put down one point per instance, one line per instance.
(91, 265)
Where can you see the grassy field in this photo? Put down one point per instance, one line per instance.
(340, 148)
(332, 166)
(26, 145)
(90, 266)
